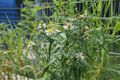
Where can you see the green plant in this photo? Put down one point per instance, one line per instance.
(70, 46)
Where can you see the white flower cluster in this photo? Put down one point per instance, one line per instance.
(49, 31)
(69, 25)
(80, 56)
(40, 26)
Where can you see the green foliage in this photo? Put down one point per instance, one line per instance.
(70, 46)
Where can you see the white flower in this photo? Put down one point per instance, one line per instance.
(51, 31)
(48, 33)
(38, 28)
(44, 25)
(65, 27)
(80, 56)
(68, 26)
